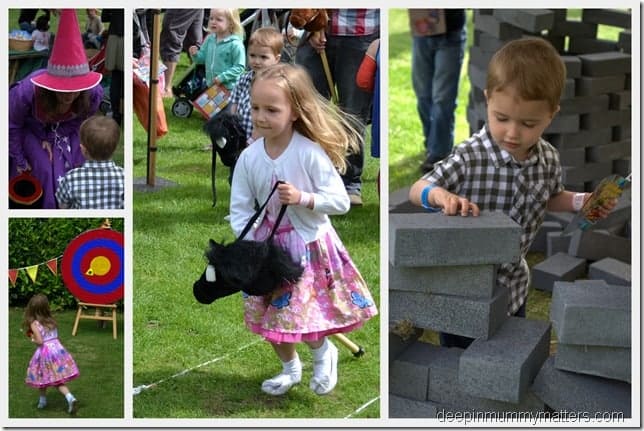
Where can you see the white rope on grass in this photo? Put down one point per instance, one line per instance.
(137, 390)
(362, 407)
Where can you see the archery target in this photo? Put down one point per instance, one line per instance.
(92, 266)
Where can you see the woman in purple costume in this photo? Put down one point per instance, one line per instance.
(47, 109)
(43, 131)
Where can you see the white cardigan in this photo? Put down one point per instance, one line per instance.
(303, 164)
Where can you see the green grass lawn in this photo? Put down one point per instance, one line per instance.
(406, 149)
(99, 387)
(172, 332)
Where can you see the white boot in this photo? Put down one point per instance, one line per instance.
(291, 375)
(325, 368)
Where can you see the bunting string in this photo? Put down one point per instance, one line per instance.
(32, 270)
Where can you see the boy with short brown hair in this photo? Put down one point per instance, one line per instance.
(99, 183)
(507, 166)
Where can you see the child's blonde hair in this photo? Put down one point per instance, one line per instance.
(38, 309)
(232, 15)
(267, 36)
(533, 66)
(100, 136)
(316, 119)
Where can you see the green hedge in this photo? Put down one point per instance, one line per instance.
(34, 241)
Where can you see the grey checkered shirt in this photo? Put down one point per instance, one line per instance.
(491, 178)
(95, 185)
(241, 97)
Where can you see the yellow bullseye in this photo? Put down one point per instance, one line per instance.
(100, 265)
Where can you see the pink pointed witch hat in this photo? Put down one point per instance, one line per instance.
(67, 68)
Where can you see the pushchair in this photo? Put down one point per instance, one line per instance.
(193, 83)
(97, 64)
(190, 86)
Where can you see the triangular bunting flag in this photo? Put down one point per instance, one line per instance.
(32, 271)
(52, 264)
(13, 276)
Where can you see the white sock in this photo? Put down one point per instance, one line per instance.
(69, 397)
(291, 375)
(42, 401)
(325, 368)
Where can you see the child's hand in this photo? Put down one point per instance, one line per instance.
(453, 204)
(193, 50)
(288, 194)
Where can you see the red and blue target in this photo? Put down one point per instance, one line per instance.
(92, 266)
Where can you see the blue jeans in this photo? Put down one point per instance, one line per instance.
(344, 54)
(436, 68)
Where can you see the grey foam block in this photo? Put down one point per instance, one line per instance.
(596, 244)
(539, 244)
(575, 157)
(610, 270)
(613, 151)
(601, 120)
(557, 243)
(572, 63)
(409, 373)
(437, 239)
(564, 124)
(470, 281)
(584, 138)
(400, 407)
(399, 202)
(441, 365)
(495, 28)
(444, 388)
(624, 41)
(574, 28)
(620, 100)
(530, 20)
(589, 172)
(587, 45)
(591, 312)
(453, 314)
(558, 267)
(612, 17)
(399, 340)
(605, 63)
(585, 104)
(601, 361)
(503, 367)
(592, 86)
(573, 392)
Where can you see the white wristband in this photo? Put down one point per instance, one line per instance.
(578, 201)
(305, 199)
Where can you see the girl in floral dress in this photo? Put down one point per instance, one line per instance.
(51, 364)
(303, 141)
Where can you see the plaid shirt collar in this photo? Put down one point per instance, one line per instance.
(500, 157)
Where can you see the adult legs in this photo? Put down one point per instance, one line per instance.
(177, 23)
(435, 77)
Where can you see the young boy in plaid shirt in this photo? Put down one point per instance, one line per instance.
(264, 49)
(99, 183)
(507, 166)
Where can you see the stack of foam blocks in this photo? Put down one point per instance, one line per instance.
(591, 369)
(442, 278)
(592, 131)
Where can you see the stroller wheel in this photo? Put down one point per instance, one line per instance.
(105, 106)
(182, 108)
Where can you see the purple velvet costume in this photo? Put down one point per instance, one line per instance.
(27, 132)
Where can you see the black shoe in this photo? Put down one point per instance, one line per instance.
(427, 166)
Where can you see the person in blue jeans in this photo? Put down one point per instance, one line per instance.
(435, 69)
(348, 34)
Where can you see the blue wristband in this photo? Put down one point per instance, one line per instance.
(424, 198)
